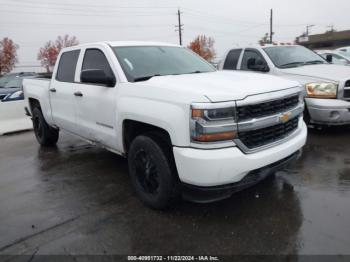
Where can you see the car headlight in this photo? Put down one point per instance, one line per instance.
(321, 90)
(213, 125)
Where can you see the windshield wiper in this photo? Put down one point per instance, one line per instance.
(292, 64)
(314, 62)
(144, 78)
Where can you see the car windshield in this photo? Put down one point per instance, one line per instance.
(4, 80)
(140, 63)
(347, 55)
(292, 56)
(14, 83)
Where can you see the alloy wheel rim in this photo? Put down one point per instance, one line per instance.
(146, 172)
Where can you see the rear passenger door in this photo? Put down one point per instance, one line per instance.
(62, 91)
(232, 59)
(96, 104)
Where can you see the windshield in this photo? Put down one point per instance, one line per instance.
(4, 80)
(292, 56)
(14, 83)
(140, 63)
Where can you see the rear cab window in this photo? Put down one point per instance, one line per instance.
(67, 66)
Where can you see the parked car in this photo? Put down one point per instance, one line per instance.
(11, 83)
(327, 85)
(335, 57)
(185, 128)
(15, 96)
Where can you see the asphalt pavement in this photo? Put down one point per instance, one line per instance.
(77, 199)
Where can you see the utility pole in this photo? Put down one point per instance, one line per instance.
(179, 26)
(271, 21)
(307, 29)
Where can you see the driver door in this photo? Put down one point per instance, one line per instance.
(96, 103)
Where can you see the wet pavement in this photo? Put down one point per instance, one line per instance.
(77, 199)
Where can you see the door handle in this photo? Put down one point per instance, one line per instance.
(78, 93)
(53, 90)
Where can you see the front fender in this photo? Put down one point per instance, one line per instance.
(172, 117)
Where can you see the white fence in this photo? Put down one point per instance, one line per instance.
(13, 118)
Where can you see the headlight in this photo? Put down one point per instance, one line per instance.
(321, 90)
(213, 125)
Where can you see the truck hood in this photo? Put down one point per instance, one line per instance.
(327, 72)
(222, 86)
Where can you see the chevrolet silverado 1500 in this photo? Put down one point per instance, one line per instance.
(327, 85)
(186, 129)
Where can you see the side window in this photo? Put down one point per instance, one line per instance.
(248, 54)
(95, 59)
(232, 59)
(67, 66)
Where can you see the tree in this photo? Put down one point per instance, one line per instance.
(8, 55)
(48, 54)
(203, 46)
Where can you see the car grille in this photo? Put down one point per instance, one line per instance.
(261, 137)
(2, 96)
(267, 108)
(347, 91)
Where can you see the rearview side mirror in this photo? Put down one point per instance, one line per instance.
(329, 58)
(257, 65)
(97, 76)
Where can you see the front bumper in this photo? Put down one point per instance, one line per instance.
(216, 167)
(215, 193)
(328, 111)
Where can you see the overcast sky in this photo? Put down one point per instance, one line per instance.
(31, 23)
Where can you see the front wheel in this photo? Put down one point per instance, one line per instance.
(45, 135)
(152, 173)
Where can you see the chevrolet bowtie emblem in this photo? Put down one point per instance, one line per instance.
(284, 118)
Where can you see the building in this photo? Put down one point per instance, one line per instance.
(328, 40)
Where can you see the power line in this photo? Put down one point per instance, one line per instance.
(85, 25)
(45, 3)
(65, 14)
(229, 20)
(86, 11)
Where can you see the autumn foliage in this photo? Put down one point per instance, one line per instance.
(48, 54)
(203, 46)
(8, 55)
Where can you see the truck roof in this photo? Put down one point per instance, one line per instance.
(257, 46)
(123, 43)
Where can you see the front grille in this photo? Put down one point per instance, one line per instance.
(267, 108)
(2, 96)
(261, 137)
(347, 91)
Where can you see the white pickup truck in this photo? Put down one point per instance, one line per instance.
(327, 85)
(186, 129)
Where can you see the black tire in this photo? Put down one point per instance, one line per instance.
(152, 171)
(46, 135)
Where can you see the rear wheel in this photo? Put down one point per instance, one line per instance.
(46, 135)
(152, 171)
